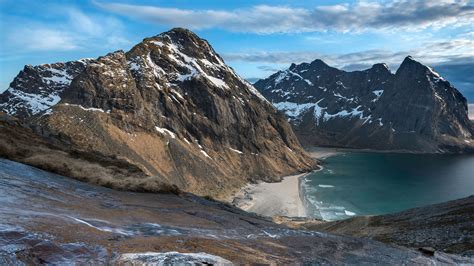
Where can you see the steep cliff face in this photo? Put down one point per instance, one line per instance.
(414, 109)
(173, 108)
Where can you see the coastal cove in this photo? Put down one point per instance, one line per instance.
(283, 198)
(352, 183)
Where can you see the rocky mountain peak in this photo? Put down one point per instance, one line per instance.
(171, 107)
(410, 66)
(318, 63)
(180, 32)
(185, 41)
(382, 67)
(418, 73)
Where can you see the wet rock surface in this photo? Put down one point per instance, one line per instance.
(172, 258)
(413, 110)
(46, 218)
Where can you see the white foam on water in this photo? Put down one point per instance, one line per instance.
(325, 186)
(349, 213)
(317, 208)
(332, 208)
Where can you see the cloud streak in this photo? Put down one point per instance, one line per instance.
(266, 19)
(76, 31)
(453, 59)
(43, 39)
(456, 51)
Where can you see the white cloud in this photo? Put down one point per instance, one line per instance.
(83, 23)
(265, 19)
(457, 50)
(70, 30)
(41, 39)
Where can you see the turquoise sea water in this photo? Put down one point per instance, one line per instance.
(359, 183)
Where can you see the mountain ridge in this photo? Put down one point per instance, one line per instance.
(413, 109)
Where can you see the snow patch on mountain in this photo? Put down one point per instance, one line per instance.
(355, 112)
(165, 131)
(25, 97)
(191, 64)
(36, 103)
(58, 76)
(236, 151)
(294, 110)
(377, 93)
(436, 75)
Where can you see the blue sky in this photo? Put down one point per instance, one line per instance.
(255, 37)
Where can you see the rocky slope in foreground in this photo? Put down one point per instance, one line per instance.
(43, 221)
(169, 108)
(446, 227)
(414, 109)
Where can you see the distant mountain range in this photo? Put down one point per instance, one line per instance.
(169, 107)
(414, 109)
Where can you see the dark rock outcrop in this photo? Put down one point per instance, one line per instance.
(170, 107)
(414, 109)
(445, 227)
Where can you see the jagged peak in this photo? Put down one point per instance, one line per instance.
(319, 62)
(410, 63)
(179, 30)
(178, 35)
(178, 39)
(112, 54)
(57, 64)
(380, 66)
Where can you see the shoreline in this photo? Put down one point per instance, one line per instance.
(310, 149)
(273, 199)
(284, 198)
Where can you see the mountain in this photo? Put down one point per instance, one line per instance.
(169, 107)
(414, 109)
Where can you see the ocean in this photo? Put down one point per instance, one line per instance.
(364, 183)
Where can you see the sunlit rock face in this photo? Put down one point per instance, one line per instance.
(414, 109)
(170, 106)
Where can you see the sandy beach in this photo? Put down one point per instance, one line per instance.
(272, 199)
(278, 199)
(321, 153)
